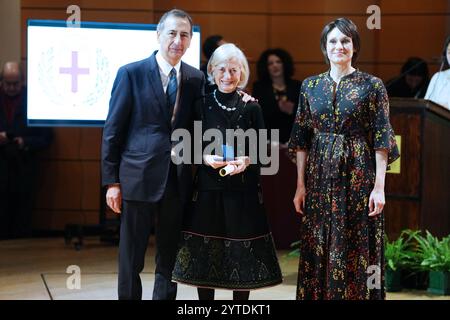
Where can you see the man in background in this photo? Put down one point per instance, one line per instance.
(19, 145)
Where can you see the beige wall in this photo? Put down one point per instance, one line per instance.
(9, 30)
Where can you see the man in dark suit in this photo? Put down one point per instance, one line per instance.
(150, 99)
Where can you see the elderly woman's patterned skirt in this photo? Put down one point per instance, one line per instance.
(226, 243)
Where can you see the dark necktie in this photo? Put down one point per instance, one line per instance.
(171, 93)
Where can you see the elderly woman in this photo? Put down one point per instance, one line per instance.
(342, 141)
(226, 242)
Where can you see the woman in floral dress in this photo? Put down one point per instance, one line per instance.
(342, 142)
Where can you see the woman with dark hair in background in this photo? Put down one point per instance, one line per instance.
(412, 81)
(439, 88)
(276, 91)
(342, 141)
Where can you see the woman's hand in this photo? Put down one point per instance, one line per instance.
(286, 106)
(376, 202)
(241, 164)
(3, 138)
(299, 198)
(214, 161)
(376, 199)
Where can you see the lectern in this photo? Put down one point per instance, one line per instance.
(418, 197)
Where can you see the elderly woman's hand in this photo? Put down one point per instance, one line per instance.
(214, 161)
(246, 97)
(241, 164)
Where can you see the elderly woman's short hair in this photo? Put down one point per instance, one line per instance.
(347, 27)
(225, 53)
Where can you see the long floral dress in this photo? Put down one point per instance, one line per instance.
(341, 126)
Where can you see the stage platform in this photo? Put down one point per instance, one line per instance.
(35, 269)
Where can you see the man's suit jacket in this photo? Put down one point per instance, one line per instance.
(136, 143)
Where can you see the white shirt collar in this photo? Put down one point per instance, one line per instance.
(165, 66)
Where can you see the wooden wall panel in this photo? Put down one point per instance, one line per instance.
(60, 185)
(90, 140)
(213, 7)
(90, 185)
(301, 37)
(89, 4)
(405, 36)
(400, 7)
(320, 7)
(252, 41)
(66, 144)
(400, 214)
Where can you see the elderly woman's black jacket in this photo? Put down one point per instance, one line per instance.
(246, 116)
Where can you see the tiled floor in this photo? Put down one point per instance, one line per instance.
(36, 269)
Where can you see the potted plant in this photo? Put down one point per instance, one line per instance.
(398, 256)
(414, 275)
(435, 257)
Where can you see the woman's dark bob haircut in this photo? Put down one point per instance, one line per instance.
(347, 27)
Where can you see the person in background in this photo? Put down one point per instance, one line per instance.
(276, 91)
(209, 46)
(439, 89)
(412, 81)
(19, 148)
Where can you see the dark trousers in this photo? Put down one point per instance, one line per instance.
(15, 214)
(17, 177)
(136, 223)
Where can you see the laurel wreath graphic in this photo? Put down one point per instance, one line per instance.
(47, 72)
